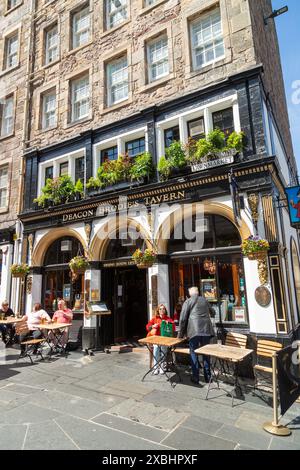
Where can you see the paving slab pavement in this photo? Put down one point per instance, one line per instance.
(100, 402)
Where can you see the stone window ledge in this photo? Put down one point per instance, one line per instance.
(7, 136)
(46, 66)
(113, 107)
(80, 121)
(157, 83)
(7, 12)
(74, 51)
(11, 69)
(115, 28)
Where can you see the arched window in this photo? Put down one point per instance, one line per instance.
(296, 273)
(57, 283)
(123, 245)
(218, 232)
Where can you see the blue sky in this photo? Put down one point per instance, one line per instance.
(288, 29)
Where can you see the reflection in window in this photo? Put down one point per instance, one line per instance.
(109, 154)
(223, 120)
(171, 135)
(135, 147)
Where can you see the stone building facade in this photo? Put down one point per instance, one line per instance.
(109, 78)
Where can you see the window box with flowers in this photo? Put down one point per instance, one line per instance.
(144, 259)
(19, 270)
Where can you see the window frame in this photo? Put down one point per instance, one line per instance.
(47, 49)
(108, 25)
(8, 98)
(132, 141)
(73, 82)
(200, 19)
(7, 55)
(109, 84)
(150, 64)
(48, 93)
(74, 34)
(5, 187)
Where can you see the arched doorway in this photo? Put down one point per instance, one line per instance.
(296, 274)
(214, 265)
(124, 289)
(57, 280)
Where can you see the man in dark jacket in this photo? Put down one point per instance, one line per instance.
(195, 323)
(5, 312)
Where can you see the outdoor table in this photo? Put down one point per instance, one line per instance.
(222, 353)
(55, 328)
(10, 321)
(170, 344)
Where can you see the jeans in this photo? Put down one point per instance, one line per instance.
(158, 353)
(195, 343)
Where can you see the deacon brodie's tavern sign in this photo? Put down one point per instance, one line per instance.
(124, 204)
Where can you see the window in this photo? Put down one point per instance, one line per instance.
(80, 91)
(116, 12)
(207, 40)
(158, 58)
(79, 169)
(171, 135)
(49, 110)
(196, 129)
(64, 169)
(11, 51)
(7, 116)
(51, 45)
(135, 147)
(48, 173)
(80, 27)
(11, 4)
(109, 154)
(117, 81)
(224, 120)
(3, 187)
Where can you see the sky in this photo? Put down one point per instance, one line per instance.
(288, 29)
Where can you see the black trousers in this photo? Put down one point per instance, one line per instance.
(30, 334)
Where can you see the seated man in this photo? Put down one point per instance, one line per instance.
(34, 318)
(62, 315)
(5, 330)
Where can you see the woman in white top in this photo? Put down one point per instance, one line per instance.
(34, 318)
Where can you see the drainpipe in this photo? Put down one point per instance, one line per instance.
(25, 137)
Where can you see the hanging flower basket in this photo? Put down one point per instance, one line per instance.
(19, 270)
(78, 265)
(255, 248)
(144, 259)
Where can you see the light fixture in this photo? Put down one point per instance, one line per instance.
(276, 13)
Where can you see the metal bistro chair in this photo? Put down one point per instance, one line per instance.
(31, 344)
(264, 351)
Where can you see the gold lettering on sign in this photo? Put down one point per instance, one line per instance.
(78, 215)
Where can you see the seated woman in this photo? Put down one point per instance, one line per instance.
(153, 328)
(33, 319)
(6, 330)
(62, 315)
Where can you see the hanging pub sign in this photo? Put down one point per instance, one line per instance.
(236, 199)
(293, 200)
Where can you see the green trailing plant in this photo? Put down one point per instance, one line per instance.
(217, 139)
(78, 188)
(142, 166)
(56, 191)
(78, 265)
(164, 168)
(236, 141)
(175, 154)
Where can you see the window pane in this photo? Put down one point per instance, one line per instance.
(3, 186)
(81, 27)
(135, 147)
(224, 121)
(117, 81)
(49, 110)
(12, 51)
(109, 154)
(171, 135)
(48, 173)
(7, 116)
(51, 45)
(196, 129)
(158, 59)
(117, 12)
(80, 98)
(79, 169)
(207, 39)
(64, 169)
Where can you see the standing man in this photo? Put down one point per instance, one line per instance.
(5, 312)
(195, 323)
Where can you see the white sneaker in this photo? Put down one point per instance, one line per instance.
(156, 372)
(161, 371)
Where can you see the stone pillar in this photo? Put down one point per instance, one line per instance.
(33, 291)
(7, 254)
(163, 294)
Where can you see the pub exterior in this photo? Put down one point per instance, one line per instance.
(56, 234)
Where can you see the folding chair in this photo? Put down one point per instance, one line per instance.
(31, 345)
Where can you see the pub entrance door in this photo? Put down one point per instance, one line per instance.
(125, 292)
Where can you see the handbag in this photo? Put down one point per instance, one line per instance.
(166, 329)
